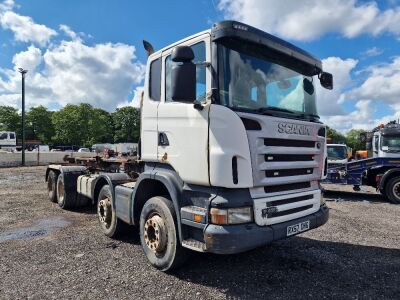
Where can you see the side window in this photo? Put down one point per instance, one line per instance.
(12, 136)
(155, 80)
(3, 135)
(199, 50)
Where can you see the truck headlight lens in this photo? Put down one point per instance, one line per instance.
(225, 216)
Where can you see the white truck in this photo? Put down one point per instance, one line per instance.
(231, 149)
(8, 140)
(337, 154)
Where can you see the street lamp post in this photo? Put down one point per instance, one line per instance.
(23, 72)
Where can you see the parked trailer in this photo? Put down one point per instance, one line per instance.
(382, 173)
(219, 170)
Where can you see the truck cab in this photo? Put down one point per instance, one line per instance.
(386, 141)
(231, 149)
(8, 140)
(337, 154)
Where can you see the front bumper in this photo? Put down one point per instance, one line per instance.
(239, 238)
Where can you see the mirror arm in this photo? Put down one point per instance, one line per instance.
(197, 105)
(206, 64)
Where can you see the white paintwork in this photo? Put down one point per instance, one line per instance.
(148, 135)
(6, 142)
(85, 185)
(228, 138)
(260, 204)
(186, 129)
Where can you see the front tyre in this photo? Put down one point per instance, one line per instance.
(392, 190)
(158, 234)
(109, 223)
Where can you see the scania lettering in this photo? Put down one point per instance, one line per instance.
(231, 149)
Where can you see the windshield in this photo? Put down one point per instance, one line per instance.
(391, 143)
(337, 152)
(255, 84)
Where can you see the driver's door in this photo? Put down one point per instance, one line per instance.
(182, 129)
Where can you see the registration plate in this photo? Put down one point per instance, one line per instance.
(297, 228)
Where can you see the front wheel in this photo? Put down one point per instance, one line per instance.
(158, 235)
(392, 190)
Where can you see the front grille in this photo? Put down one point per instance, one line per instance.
(289, 172)
(286, 187)
(288, 143)
(288, 157)
(289, 200)
(289, 211)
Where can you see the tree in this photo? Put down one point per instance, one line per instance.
(82, 125)
(353, 139)
(126, 124)
(10, 119)
(39, 124)
(334, 136)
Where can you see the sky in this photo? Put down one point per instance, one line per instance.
(91, 50)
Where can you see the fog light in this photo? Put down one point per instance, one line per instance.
(225, 216)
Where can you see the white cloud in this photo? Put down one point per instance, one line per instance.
(380, 87)
(329, 101)
(308, 20)
(72, 72)
(67, 30)
(135, 102)
(25, 29)
(374, 51)
(382, 84)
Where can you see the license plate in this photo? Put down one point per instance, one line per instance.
(297, 228)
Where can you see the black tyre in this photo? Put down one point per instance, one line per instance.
(68, 199)
(392, 190)
(159, 235)
(109, 223)
(52, 186)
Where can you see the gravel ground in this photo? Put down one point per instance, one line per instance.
(50, 253)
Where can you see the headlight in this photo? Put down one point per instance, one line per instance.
(223, 216)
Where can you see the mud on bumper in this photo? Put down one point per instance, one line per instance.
(239, 238)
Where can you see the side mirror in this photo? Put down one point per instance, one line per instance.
(183, 75)
(326, 80)
(368, 146)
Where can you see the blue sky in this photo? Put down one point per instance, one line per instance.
(91, 50)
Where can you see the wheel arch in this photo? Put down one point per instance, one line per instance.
(389, 174)
(164, 182)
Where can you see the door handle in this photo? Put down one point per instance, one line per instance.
(163, 139)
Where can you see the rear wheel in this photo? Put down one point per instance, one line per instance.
(52, 186)
(392, 190)
(109, 223)
(158, 235)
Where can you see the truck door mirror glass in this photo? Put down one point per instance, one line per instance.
(183, 75)
(308, 86)
(326, 80)
(368, 146)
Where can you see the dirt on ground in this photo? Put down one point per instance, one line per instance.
(47, 252)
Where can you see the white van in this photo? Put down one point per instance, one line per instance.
(8, 140)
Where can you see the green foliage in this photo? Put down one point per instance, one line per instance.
(82, 125)
(353, 139)
(335, 137)
(9, 119)
(39, 125)
(126, 124)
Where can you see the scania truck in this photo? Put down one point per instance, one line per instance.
(230, 155)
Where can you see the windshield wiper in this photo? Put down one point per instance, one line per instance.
(273, 108)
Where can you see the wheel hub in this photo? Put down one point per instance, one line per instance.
(396, 190)
(105, 212)
(155, 234)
